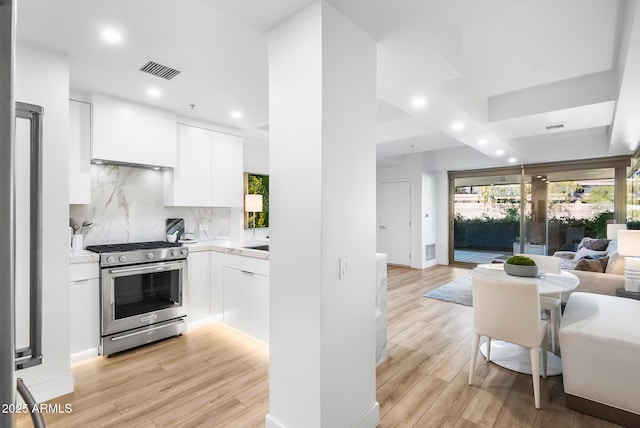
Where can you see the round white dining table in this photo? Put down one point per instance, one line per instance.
(516, 357)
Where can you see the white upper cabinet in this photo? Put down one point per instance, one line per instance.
(208, 171)
(79, 152)
(189, 182)
(126, 132)
(226, 173)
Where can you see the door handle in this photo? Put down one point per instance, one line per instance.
(149, 269)
(32, 355)
(382, 227)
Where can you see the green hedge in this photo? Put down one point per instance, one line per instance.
(491, 234)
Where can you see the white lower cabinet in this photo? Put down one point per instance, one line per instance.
(217, 285)
(84, 317)
(246, 295)
(198, 286)
(228, 287)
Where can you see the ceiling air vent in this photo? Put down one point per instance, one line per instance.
(554, 126)
(160, 70)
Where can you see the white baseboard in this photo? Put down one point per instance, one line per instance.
(83, 355)
(370, 419)
(50, 389)
(200, 323)
(270, 422)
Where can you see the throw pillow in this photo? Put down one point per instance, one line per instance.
(583, 252)
(580, 244)
(616, 264)
(595, 265)
(595, 244)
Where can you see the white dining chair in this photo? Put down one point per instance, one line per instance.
(552, 303)
(509, 309)
(548, 264)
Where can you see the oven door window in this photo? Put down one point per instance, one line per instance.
(146, 292)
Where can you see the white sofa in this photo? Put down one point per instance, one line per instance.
(595, 282)
(600, 342)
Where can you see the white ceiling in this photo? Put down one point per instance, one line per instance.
(505, 68)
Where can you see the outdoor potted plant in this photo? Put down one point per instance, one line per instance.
(520, 266)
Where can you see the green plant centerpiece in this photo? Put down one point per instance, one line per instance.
(521, 266)
(521, 260)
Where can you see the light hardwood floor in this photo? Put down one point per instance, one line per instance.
(214, 376)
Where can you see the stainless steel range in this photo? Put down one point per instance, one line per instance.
(142, 293)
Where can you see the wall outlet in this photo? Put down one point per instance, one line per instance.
(204, 227)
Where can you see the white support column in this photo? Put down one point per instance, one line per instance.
(322, 95)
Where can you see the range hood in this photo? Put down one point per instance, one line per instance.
(128, 164)
(130, 134)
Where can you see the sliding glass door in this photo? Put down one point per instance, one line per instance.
(564, 207)
(486, 220)
(534, 209)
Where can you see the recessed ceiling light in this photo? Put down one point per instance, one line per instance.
(512, 160)
(418, 102)
(482, 141)
(457, 126)
(499, 152)
(236, 114)
(153, 92)
(111, 36)
(98, 162)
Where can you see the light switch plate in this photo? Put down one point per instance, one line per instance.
(344, 268)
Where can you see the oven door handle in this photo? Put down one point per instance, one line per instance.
(155, 268)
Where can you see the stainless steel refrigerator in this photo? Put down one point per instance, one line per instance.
(20, 206)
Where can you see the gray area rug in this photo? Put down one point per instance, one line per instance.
(458, 291)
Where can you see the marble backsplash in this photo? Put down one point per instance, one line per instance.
(127, 206)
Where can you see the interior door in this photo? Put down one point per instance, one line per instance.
(395, 222)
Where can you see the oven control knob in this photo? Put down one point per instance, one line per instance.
(111, 259)
(123, 258)
(183, 252)
(174, 253)
(150, 256)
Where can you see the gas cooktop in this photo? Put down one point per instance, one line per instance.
(138, 252)
(132, 246)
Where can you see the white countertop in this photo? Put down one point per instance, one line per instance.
(83, 256)
(219, 245)
(228, 246)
